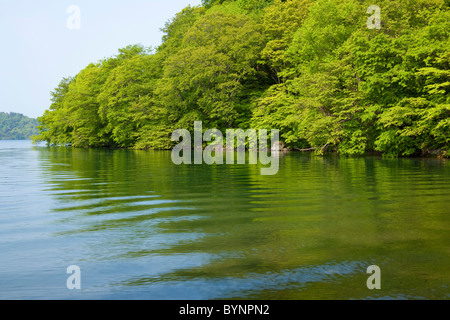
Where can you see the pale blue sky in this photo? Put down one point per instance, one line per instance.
(38, 49)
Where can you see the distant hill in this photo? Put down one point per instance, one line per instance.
(16, 126)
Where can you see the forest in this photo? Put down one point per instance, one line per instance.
(311, 68)
(16, 126)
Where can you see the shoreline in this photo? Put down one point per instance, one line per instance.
(433, 154)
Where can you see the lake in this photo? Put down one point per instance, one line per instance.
(140, 227)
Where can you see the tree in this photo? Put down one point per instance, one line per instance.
(206, 79)
(54, 125)
(280, 22)
(16, 126)
(311, 68)
(127, 100)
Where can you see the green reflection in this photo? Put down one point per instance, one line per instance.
(232, 222)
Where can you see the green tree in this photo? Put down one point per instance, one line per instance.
(280, 22)
(175, 29)
(54, 125)
(311, 68)
(16, 126)
(126, 99)
(206, 79)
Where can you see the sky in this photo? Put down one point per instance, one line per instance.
(45, 41)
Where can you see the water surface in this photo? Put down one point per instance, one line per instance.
(140, 227)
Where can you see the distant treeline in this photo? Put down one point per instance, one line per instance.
(16, 126)
(331, 75)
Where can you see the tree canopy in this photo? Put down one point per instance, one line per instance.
(16, 126)
(311, 68)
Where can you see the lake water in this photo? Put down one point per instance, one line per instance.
(140, 227)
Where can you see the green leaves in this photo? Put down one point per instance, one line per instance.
(127, 98)
(16, 126)
(209, 73)
(311, 68)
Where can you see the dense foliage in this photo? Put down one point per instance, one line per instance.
(311, 68)
(16, 126)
